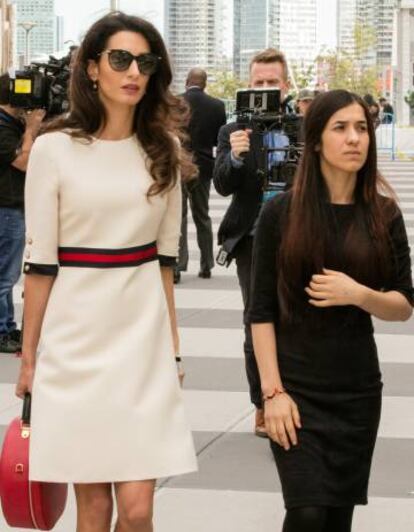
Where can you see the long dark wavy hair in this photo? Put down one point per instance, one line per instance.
(308, 235)
(159, 118)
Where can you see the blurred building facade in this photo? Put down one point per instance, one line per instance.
(289, 26)
(345, 25)
(193, 33)
(255, 27)
(42, 36)
(376, 18)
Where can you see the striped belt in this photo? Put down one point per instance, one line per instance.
(107, 258)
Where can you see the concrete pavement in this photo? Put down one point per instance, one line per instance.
(236, 488)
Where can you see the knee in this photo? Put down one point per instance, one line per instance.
(101, 505)
(137, 515)
(95, 507)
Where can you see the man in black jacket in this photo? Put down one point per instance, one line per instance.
(207, 116)
(235, 174)
(16, 140)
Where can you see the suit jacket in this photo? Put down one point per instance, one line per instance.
(243, 183)
(207, 116)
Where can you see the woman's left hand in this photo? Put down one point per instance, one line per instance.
(334, 288)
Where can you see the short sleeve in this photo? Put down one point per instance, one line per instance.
(42, 211)
(263, 307)
(402, 278)
(10, 142)
(170, 228)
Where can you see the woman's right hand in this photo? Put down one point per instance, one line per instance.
(282, 419)
(25, 380)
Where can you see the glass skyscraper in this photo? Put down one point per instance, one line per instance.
(378, 17)
(191, 33)
(288, 26)
(42, 36)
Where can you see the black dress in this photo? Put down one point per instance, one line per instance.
(328, 364)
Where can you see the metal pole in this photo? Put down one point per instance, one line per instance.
(27, 26)
(26, 55)
(114, 5)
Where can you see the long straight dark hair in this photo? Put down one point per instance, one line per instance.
(160, 117)
(307, 237)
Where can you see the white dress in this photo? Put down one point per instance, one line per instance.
(107, 406)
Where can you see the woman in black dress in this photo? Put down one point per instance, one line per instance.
(328, 255)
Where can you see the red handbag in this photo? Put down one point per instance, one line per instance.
(25, 503)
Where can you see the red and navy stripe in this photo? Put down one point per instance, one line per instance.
(107, 258)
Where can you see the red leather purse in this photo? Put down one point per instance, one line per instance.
(26, 504)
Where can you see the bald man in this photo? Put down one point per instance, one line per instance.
(207, 117)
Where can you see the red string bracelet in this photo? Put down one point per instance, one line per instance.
(276, 391)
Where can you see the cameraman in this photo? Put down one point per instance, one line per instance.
(235, 173)
(17, 131)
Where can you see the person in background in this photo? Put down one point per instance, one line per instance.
(387, 111)
(235, 174)
(374, 109)
(207, 116)
(311, 305)
(304, 99)
(18, 129)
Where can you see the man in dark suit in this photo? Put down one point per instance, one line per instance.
(235, 174)
(207, 116)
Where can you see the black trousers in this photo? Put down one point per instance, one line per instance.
(243, 256)
(198, 195)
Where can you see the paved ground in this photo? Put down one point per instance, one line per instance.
(236, 488)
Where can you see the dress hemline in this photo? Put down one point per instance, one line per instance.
(334, 502)
(104, 480)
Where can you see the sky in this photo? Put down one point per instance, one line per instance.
(79, 15)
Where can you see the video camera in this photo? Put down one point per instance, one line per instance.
(42, 86)
(263, 111)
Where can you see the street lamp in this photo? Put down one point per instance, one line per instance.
(27, 26)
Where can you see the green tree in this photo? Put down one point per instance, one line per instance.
(409, 99)
(351, 71)
(224, 85)
(302, 76)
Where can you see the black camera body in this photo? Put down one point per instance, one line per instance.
(263, 111)
(42, 86)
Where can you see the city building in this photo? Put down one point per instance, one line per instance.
(403, 61)
(383, 22)
(253, 25)
(289, 26)
(377, 18)
(192, 30)
(346, 19)
(7, 35)
(298, 39)
(42, 36)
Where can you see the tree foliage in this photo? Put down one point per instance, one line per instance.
(409, 99)
(352, 70)
(224, 84)
(302, 75)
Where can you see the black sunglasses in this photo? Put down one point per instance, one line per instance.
(120, 60)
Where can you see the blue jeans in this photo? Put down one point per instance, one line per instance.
(12, 238)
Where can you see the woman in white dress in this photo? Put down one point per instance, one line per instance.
(103, 218)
